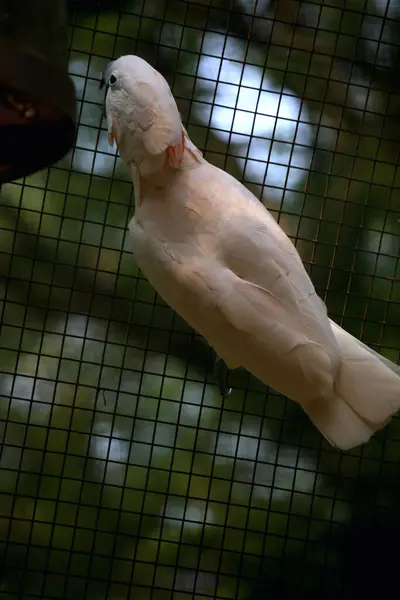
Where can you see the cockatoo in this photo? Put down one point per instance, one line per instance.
(216, 255)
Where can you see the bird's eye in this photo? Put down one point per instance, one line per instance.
(112, 80)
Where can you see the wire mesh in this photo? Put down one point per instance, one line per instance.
(123, 474)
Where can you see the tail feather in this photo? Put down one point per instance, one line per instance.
(367, 395)
(341, 333)
(340, 425)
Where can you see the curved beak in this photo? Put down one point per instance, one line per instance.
(103, 82)
(103, 79)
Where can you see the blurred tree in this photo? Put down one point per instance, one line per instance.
(155, 487)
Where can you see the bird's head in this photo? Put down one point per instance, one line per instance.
(142, 114)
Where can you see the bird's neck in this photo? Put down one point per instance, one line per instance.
(155, 172)
(146, 183)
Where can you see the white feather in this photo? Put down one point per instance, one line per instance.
(218, 258)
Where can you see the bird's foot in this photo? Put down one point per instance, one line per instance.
(221, 373)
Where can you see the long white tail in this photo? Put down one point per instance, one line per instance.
(367, 395)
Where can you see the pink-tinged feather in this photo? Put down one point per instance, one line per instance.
(222, 262)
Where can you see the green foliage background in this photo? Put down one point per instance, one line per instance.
(154, 488)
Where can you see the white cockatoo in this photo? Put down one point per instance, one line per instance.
(216, 255)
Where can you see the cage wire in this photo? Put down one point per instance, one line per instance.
(123, 473)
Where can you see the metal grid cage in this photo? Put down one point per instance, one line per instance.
(122, 473)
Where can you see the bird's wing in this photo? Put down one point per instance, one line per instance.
(225, 265)
(262, 311)
(259, 329)
(259, 253)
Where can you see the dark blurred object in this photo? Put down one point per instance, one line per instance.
(37, 96)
